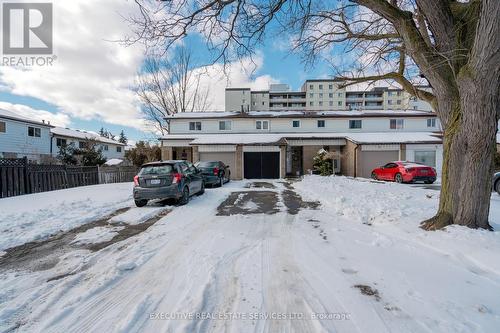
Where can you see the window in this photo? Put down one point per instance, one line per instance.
(320, 95)
(389, 102)
(34, 132)
(311, 87)
(321, 123)
(105, 147)
(354, 124)
(2, 127)
(330, 95)
(390, 93)
(426, 157)
(118, 149)
(311, 103)
(263, 103)
(311, 95)
(330, 86)
(195, 125)
(225, 125)
(431, 122)
(398, 102)
(262, 125)
(61, 142)
(253, 103)
(321, 87)
(396, 124)
(339, 103)
(82, 144)
(339, 94)
(296, 123)
(320, 103)
(399, 93)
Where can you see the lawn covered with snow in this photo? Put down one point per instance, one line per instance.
(357, 263)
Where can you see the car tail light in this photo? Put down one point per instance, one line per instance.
(136, 180)
(216, 171)
(410, 169)
(177, 178)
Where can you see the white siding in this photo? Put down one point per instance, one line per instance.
(108, 154)
(282, 125)
(16, 140)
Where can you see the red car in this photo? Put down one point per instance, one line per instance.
(405, 172)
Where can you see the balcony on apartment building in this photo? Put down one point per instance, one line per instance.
(287, 98)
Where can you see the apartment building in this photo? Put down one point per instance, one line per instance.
(275, 144)
(321, 95)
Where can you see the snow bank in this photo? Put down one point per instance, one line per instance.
(96, 235)
(33, 217)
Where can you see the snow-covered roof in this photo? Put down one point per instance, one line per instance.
(14, 116)
(80, 134)
(301, 114)
(273, 138)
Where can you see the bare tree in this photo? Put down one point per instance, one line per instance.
(455, 45)
(166, 87)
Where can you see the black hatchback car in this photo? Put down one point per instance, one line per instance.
(214, 172)
(177, 180)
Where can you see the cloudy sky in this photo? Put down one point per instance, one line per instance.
(90, 84)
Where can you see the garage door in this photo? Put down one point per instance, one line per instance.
(226, 157)
(264, 165)
(373, 159)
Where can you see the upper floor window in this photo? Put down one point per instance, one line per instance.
(105, 147)
(330, 86)
(296, 123)
(431, 122)
(311, 86)
(330, 95)
(339, 94)
(2, 127)
(61, 142)
(82, 144)
(339, 103)
(34, 132)
(195, 125)
(320, 95)
(262, 125)
(398, 102)
(321, 87)
(355, 124)
(389, 102)
(311, 103)
(397, 123)
(321, 123)
(118, 149)
(399, 93)
(225, 125)
(320, 103)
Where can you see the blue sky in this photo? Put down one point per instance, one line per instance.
(89, 86)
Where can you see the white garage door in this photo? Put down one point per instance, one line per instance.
(373, 159)
(226, 157)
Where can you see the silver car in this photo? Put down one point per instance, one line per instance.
(496, 182)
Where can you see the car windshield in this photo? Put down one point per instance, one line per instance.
(206, 164)
(164, 169)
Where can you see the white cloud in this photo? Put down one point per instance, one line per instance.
(92, 75)
(57, 119)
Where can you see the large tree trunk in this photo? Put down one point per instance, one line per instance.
(469, 146)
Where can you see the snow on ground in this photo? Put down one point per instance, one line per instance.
(96, 235)
(136, 215)
(36, 216)
(359, 263)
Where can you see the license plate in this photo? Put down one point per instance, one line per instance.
(423, 172)
(155, 181)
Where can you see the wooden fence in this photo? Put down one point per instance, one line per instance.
(18, 177)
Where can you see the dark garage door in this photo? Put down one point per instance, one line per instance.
(262, 165)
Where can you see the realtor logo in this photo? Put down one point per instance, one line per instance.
(27, 28)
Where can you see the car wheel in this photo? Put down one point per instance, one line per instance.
(497, 187)
(202, 190)
(374, 176)
(429, 181)
(398, 178)
(141, 203)
(185, 196)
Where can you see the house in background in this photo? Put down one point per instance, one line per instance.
(23, 137)
(61, 136)
(275, 144)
